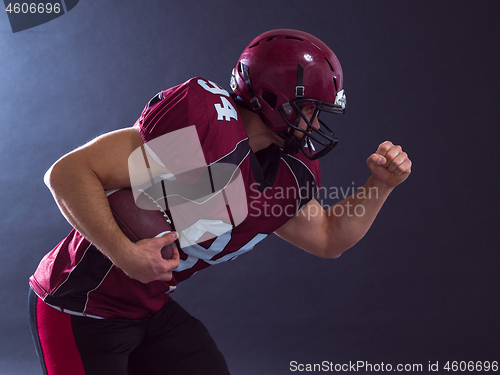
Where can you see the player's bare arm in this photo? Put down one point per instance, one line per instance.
(328, 235)
(78, 181)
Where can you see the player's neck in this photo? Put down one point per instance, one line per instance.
(259, 135)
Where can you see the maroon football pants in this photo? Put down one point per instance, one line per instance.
(168, 342)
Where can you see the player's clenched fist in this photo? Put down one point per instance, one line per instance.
(389, 165)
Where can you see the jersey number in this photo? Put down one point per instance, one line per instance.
(225, 111)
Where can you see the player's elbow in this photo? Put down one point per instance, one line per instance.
(328, 251)
(334, 249)
(332, 253)
(51, 176)
(55, 175)
(339, 241)
(59, 175)
(46, 177)
(335, 254)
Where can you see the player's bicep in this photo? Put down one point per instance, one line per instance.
(106, 157)
(109, 155)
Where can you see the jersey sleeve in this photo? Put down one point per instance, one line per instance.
(173, 109)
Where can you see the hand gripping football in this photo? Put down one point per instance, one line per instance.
(139, 223)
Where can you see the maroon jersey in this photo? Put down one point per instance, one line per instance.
(77, 278)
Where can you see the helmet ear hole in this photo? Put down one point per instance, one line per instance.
(269, 98)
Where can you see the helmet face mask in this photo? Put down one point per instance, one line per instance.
(314, 142)
(281, 72)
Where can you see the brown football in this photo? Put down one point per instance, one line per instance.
(139, 223)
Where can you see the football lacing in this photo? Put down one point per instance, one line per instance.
(157, 205)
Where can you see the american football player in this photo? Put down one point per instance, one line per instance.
(101, 304)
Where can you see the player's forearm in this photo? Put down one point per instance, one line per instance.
(81, 198)
(350, 219)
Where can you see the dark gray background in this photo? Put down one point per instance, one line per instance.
(421, 286)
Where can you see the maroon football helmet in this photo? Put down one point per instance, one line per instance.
(282, 71)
